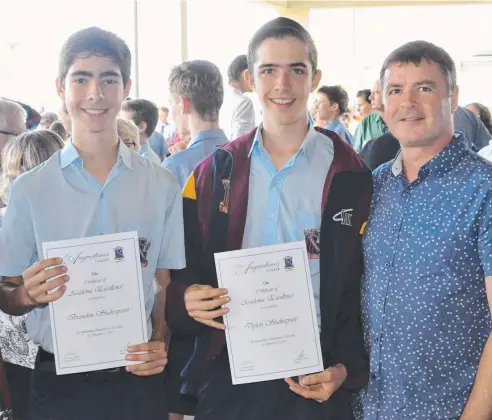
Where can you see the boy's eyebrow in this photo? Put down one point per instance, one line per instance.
(270, 65)
(109, 73)
(81, 73)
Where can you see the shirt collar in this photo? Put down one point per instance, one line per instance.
(70, 155)
(203, 135)
(306, 149)
(333, 125)
(440, 164)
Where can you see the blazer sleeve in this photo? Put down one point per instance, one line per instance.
(176, 313)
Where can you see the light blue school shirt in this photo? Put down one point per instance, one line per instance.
(285, 205)
(60, 200)
(147, 153)
(204, 143)
(338, 127)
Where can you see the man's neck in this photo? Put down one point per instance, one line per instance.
(98, 151)
(143, 139)
(413, 158)
(236, 85)
(283, 141)
(333, 119)
(196, 125)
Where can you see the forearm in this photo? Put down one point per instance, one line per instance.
(14, 299)
(479, 404)
(159, 325)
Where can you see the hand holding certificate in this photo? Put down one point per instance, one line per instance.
(102, 312)
(272, 329)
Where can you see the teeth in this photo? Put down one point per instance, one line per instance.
(95, 111)
(283, 101)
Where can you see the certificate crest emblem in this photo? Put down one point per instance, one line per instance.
(118, 254)
(288, 263)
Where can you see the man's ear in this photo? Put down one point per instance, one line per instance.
(142, 127)
(316, 80)
(127, 88)
(60, 89)
(250, 80)
(185, 105)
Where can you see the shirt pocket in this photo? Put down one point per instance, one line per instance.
(307, 229)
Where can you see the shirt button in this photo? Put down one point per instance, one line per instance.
(387, 264)
(272, 216)
(380, 303)
(377, 340)
(102, 195)
(395, 227)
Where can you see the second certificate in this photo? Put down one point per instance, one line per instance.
(272, 329)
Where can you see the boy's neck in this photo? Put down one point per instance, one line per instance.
(283, 141)
(98, 151)
(196, 125)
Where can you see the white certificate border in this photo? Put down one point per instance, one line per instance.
(52, 307)
(302, 247)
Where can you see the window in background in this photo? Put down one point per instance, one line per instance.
(221, 36)
(354, 42)
(32, 34)
(159, 40)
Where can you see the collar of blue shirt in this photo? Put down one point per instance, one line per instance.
(69, 155)
(333, 125)
(307, 147)
(440, 164)
(206, 135)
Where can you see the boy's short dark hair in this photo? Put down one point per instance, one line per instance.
(143, 111)
(280, 28)
(365, 93)
(416, 51)
(95, 41)
(336, 94)
(236, 68)
(199, 81)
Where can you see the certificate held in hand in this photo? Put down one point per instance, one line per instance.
(102, 311)
(272, 330)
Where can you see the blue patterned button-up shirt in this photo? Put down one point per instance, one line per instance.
(427, 251)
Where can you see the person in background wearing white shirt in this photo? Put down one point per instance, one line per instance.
(238, 115)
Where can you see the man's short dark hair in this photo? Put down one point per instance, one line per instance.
(416, 51)
(58, 128)
(336, 94)
(236, 68)
(279, 28)
(95, 41)
(143, 111)
(365, 93)
(199, 81)
(164, 109)
(49, 116)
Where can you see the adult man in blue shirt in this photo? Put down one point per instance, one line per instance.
(197, 93)
(332, 102)
(94, 186)
(427, 288)
(145, 115)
